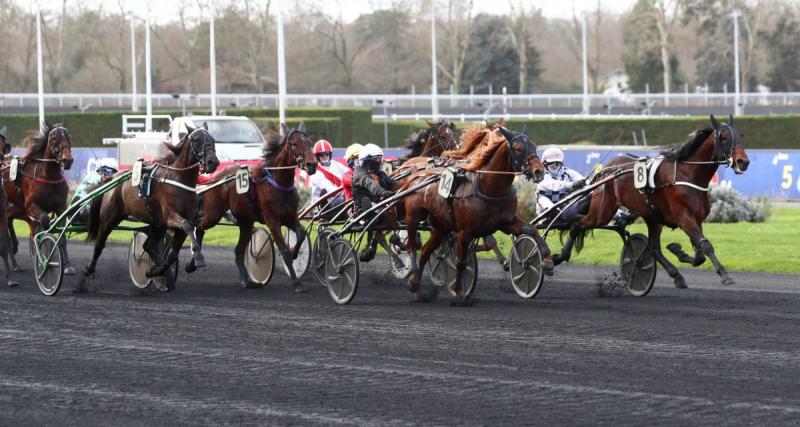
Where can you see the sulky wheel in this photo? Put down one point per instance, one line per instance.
(259, 257)
(138, 261)
(341, 271)
(320, 255)
(637, 265)
(166, 282)
(48, 265)
(442, 269)
(527, 274)
(303, 260)
(400, 262)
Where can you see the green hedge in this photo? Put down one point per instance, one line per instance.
(317, 127)
(344, 126)
(774, 131)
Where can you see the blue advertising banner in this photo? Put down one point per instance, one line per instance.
(772, 173)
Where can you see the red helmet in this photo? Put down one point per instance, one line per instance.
(322, 146)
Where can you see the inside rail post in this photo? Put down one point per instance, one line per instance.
(39, 72)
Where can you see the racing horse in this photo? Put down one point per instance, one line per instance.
(430, 142)
(272, 199)
(40, 187)
(481, 205)
(5, 238)
(439, 139)
(679, 198)
(172, 203)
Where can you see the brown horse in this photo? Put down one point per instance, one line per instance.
(172, 204)
(40, 188)
(431, 141)
(5, 238)
(680, 198)
(272, 199)
(485, 203)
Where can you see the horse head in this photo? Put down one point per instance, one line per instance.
(442, 137)
(300, 147)
(202, 148)
(59, 144)
(6, 147)
(728, 145)
(523, 155)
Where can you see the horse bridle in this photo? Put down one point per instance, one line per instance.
(201, 154)
(516, 165)
(300, 160)
(722, 153)
(55, 151)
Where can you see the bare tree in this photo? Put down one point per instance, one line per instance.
(457, 33)
(593, 36)
(664, 14)
(55, 64)
(191, 31)
(346, 45)
(109, 49)
(520, 28)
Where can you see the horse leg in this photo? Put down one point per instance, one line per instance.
(286, 253)
(490, 243)
(245, 235)
(702, 247)
(437, 236)
(518, 227)
(177, 222)
(462, 244)
(4, 252)
(199, 232)
(14, 245)
(654, 242)
(100, 243)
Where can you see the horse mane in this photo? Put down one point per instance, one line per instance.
(470, 138)
(415, 143)
(269, 152)
(484, 152)
(689, 146)
(36, 142)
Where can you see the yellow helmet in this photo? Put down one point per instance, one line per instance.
(352, 151)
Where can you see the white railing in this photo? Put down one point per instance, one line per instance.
(489, 103)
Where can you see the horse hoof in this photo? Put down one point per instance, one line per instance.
(728, 281)
(460, 302)
(69, 271)
(548, 267)
(299, 289)
(190, 268)
(421, 297)
(12, 284)
(506, 264)
(249, 285)
(680, 282)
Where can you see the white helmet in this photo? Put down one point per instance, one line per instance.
(370, 150)
(107, 162)
(552, 155)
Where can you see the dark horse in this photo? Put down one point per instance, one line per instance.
(431, 141)
(40, 187)
(272, 199)
(172, 203)
(5, 239)
(485, 203)
(680, 198)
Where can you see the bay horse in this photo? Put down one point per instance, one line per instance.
(172, 203)
(431, 141)
(40, 188)
(271, 200)
(485, 203)
(5, 238)
(679, 200)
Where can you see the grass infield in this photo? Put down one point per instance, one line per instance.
(769, 247)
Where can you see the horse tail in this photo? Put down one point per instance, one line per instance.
(94, 218)
(580, 237)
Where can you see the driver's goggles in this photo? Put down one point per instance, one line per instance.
(105, 170)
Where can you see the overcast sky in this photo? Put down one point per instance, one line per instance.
(165, 10)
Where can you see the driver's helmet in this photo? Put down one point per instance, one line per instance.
(323, 147)
(106, 166)
(553, 159)
(371, 156)
(351, 154)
